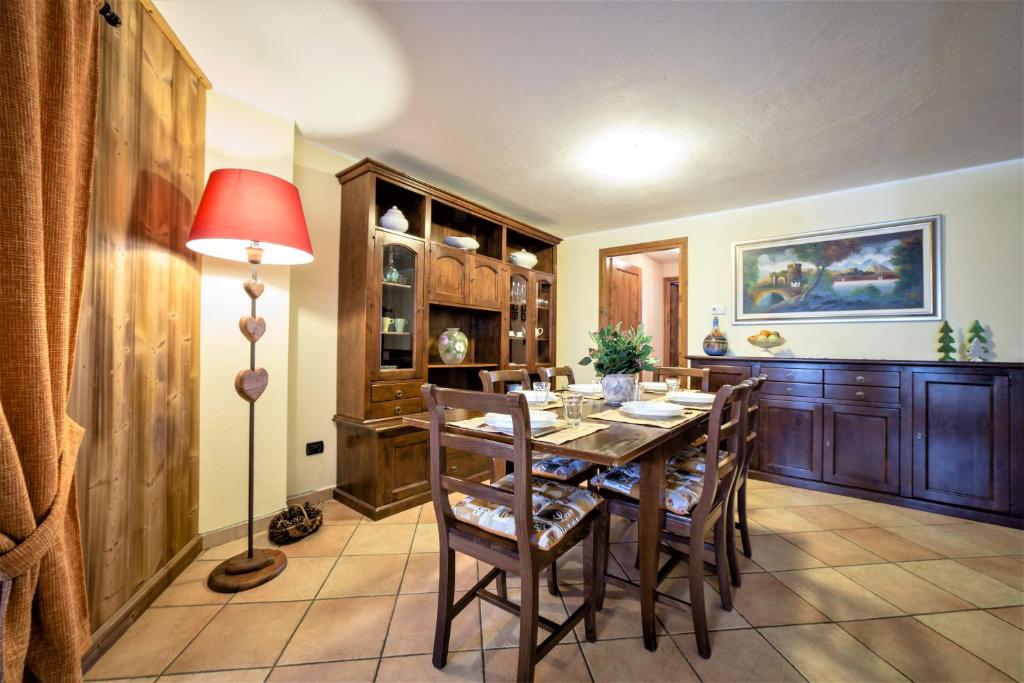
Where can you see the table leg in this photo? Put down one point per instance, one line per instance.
(652, 491)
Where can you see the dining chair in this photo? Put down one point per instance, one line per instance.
(692, 504)
(686, 376)
(554, 467)
(552, 374)
(494, 380)
(516, 525)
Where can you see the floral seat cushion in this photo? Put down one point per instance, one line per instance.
(558, 467)
(691, 461)
(682, 489)
(557, 508)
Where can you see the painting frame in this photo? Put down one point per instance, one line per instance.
(931, 230)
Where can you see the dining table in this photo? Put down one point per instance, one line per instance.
(620, 443)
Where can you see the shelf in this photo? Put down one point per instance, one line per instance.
(396, 334)
(470, 366)
(396, 284)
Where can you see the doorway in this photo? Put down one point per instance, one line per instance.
(646, 283)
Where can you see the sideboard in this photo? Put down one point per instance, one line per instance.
(944, 437)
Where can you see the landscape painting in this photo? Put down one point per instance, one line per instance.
(887, 271)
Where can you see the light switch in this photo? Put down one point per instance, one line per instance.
(718, 309)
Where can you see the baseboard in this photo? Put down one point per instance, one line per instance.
(106, 635)
(260, 524)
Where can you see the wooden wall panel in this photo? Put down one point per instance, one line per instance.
(136, 384)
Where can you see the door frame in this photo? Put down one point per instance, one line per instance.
(604, 266)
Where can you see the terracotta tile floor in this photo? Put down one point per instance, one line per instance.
(838, 590)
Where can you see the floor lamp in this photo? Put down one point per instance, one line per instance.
(256, 218)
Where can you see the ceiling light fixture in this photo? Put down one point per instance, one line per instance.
(629, 154)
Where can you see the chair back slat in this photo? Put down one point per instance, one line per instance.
(753, 418)
(478, 446)
(477, 490)
(552, 374)
(494, 381)
(688, 377)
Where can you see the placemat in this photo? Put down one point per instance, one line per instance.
(615, 415)
(562, 432)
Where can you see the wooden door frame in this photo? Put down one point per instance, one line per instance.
(605, 257)
(666, 284)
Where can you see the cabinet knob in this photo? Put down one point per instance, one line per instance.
(789, 390)
(859, 394)
(920, 436)
(453, 468)
(860, 379)
(789, 375)
(398, 410)
(399, 394)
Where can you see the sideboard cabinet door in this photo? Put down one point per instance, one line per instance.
(486, 282)
(790, 438)
(961, 434)
(862, 447)
(449, 275)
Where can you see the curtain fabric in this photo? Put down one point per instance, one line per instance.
(48, 75)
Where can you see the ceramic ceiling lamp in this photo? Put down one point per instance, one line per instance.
(256, 218)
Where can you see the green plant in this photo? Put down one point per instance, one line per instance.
(620, 352)
(946, 340)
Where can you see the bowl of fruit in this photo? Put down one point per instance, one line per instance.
(767, 340)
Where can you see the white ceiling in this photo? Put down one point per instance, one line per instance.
(498, 100)
(664, 256)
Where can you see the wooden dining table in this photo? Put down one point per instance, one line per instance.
(619, 444)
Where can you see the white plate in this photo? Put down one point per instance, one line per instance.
(692, 398)
(654, 386)
(655, 409)
(539, 419)
(586, 388)
(536, 398)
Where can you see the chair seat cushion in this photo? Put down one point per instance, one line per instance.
(557, 508)
(682, 489)
(691, 461)
(558, 467)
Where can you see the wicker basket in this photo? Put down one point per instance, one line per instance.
(295, 523)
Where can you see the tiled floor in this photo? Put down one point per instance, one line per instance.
(839, 590)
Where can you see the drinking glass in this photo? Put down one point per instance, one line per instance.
(543, 388)
(572, 404)
(672, 383)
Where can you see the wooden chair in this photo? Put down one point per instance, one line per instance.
(738, 516)
(488, 526)
(494, 380)
(552, 374)
(693, 503)
(686, 376)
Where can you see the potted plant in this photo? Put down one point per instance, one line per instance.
(618, 357)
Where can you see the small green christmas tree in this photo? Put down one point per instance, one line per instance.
(977, 344)
(946, 341)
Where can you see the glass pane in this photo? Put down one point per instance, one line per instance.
(398, 308)
(543, 323)
(517, 319)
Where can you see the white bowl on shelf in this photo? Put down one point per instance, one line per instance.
(464, 243)
(523, 259)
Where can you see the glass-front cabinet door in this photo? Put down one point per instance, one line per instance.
(543, 304)
(399, 279)
(519, 321)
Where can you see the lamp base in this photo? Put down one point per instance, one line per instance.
(240, 573)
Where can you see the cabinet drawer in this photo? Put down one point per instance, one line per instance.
(793, 375)
(394, 391)
(409, 406)
(865, 379)
(870, 394)
(793, 389)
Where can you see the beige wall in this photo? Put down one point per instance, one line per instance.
(239, 135)
(314, 321)
(983, 257)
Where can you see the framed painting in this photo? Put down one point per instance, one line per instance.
(885, 271)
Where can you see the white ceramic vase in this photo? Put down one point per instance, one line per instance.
(618, 388)
(394, 220)
(452, 344)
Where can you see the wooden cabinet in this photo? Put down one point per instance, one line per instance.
(947, 437)
(961, 439)
(862, 447)
(398, 291)
(789, 439)
(449, 275)
(486, 283)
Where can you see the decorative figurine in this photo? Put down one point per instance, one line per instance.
(946, 343)
(977, 343)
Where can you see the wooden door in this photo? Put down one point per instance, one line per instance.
(396, 349)
(626, 295)
(790, 438)
(961, 434)
(486, 282)
(671, 322)
(449, 275)
(862, 447)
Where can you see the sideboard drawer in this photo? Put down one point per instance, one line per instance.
(394, 391)
(868, 394)
(792, 389)
(793, 375)
(409, 406)
(864, 379)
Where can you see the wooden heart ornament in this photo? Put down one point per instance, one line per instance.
(250, 384)
(252, 328)
(253, 288)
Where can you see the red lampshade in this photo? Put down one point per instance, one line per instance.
(240, 207)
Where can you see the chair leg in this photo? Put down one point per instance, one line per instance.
(529, 613)
(722, 564)
(744, 528)
(445, 602)
(501, 582)
(553, 578)
(700, 617)
(593, 573)
(730, 543)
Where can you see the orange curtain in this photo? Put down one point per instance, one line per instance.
(48, 72)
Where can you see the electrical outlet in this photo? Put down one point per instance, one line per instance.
(314, 448)
(718, 309)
